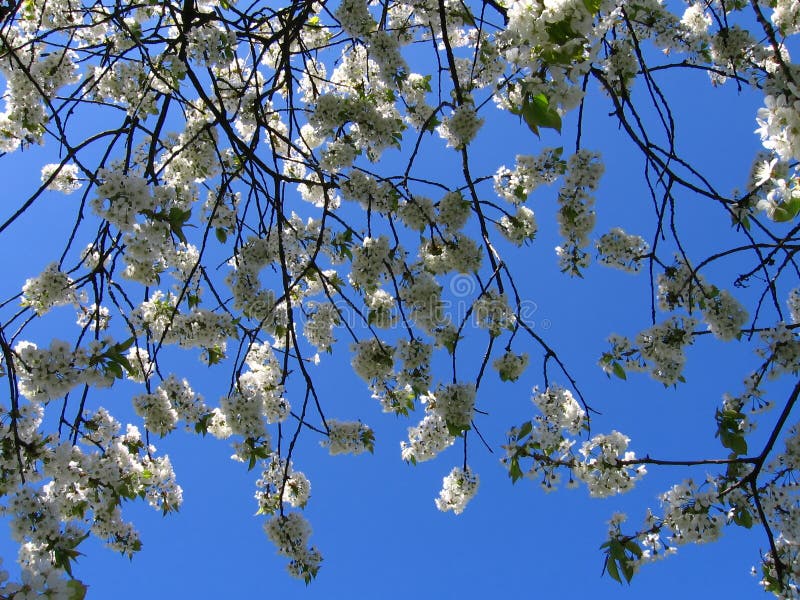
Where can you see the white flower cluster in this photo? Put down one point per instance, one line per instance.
(621, 65)
(370, 194)
(258, 395)
(199, 328)
(381, 304)
(157, 412)
(492, 312)
(779, 124)
(786, 16)
(604, 464)
(529, 173)
(520, 227)
(280, 483)
(415, 89)
(575, 214)
(354, 17)
(458, 488)
(455, 404)
(319, 326)
(793, 302)
(193, 157)
(371, 129)
(52, 288)
(546, 442)
(33, 75)
(257, 301)
(782, 350)
(680, 286)
(172, 401)
(422, 296)
(528, 29)
(45, 374)
(427, 439)
(372, 359)
(458, 253)
(510, 366)
(601, 469)
(219, 211)
(724, 315)
(210, 45)
(693, 31)
(71, 490)
(141, 364)
(687, 512)
(417, 213)
(129, 85)
(560, 411)
(290, 533)
(348, 437)
(93, 316)
(622, 250)
(664, 346)
(121, 198)
(453, 211)
(369, 262)
(61, 178)
(415, 357)
(461, 127)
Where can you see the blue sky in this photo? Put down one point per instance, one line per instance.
(374, 517)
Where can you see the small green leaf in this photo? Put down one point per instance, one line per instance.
(633, 548)
(456, 430)
(214, 355)
(593, 6)
(611, 568)
(537, 113)
(618, 370)
(787, 211)
(75, 590)
(742, 517)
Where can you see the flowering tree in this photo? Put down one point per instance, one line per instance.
(255, 188)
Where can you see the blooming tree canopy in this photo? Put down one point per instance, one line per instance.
(268, 187)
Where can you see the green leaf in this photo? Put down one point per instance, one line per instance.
(627, 569)
(618, 370)
(221, 234)
(76, 590)
(729, 431)
(743, 517)
(525, 429)
(611, 568)
(593, 6)
(737, 443)
(456, 430)
(537, 113)
(177, 218)
(115, 369)
(787, 211)
(214, 355)
(633, 548)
